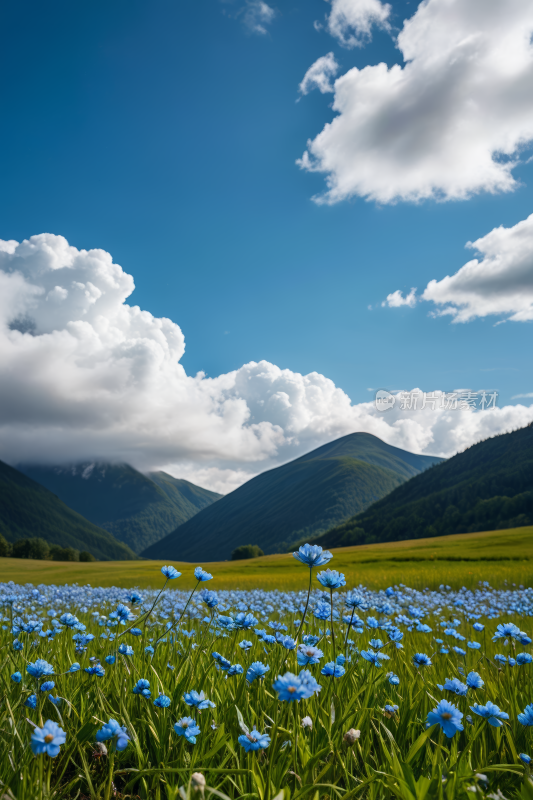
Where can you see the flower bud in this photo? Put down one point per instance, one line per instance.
(198, 782)
(351, 736)
(307, 722)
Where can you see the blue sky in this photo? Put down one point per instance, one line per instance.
(167, 134)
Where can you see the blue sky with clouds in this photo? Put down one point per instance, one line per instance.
(168, 133)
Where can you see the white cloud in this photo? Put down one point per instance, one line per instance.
(319, 75)
(85, 376)
(351, 21)
(498, 283)
(396, 299)
(449, 123)
(517, 396)
(257, 15)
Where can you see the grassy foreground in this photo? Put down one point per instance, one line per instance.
(462, 559)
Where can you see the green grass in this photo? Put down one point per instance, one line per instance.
(394, 756)
(461, 559)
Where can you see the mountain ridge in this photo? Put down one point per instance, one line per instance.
(136, 508)
(29, 510)
(486, 487)
(301, 498)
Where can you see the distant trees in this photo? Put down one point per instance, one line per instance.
(246, 551)
(5, 547)
(39, 549)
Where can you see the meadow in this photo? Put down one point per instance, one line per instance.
(458, 560)
(331, 691)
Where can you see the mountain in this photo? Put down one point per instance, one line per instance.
(137, 509)
(487, 487)
(28, 510)
(301, 498)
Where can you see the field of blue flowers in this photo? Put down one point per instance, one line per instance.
(327, 693)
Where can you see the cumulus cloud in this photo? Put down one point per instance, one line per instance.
(500, 282)
(319, 75)
(257, 15)
(449, 123)
(351, 21)
(396, 299)
(86, 376)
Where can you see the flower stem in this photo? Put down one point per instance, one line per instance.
(306, 604)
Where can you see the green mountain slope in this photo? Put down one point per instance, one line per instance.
(28, 510)
(487, 487)
(299, 499)
(137, 509)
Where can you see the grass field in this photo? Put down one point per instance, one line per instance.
(463, 559)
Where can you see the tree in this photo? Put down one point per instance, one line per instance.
(86, 556)
(246, 551)
(31, 548)
(59, 553)
(5, 547)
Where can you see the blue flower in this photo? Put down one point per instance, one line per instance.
(307, 654)
(454, 685)
(477, 626)
(447, 716)
(313, 555)
(287, 642)
(459, 651)
(523, 658)
(244, 621)
(188, 728)
(198, 700)
(506, 630)
(308, 679)
(125, 649)
(524, 758)
(47, 739)
(142, 687)
(31, 701)
(110, 659)
(491, 713)
(17, 645)
(421, 660)
(47, 686)
(393, 679)
(149, 650)
(162, 701)
(201, 575)
(390, 711)
(256, 670)
(374, 658)
(474, 645)
(524, 639)
(331, 670)
(331, 579)
(245, 645)
(55, 700)
(209, 598)
(290, 687)
(136, 632)
(97, 670)
(500, 659)
(170, 573)
(40, 668)
(16, 677)
(255, 740)
(474, 681)
(112, 730)
(69, 620)
(353, 600)
(310, 639)
(526, 718)
(75, 667)
(235, 669)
